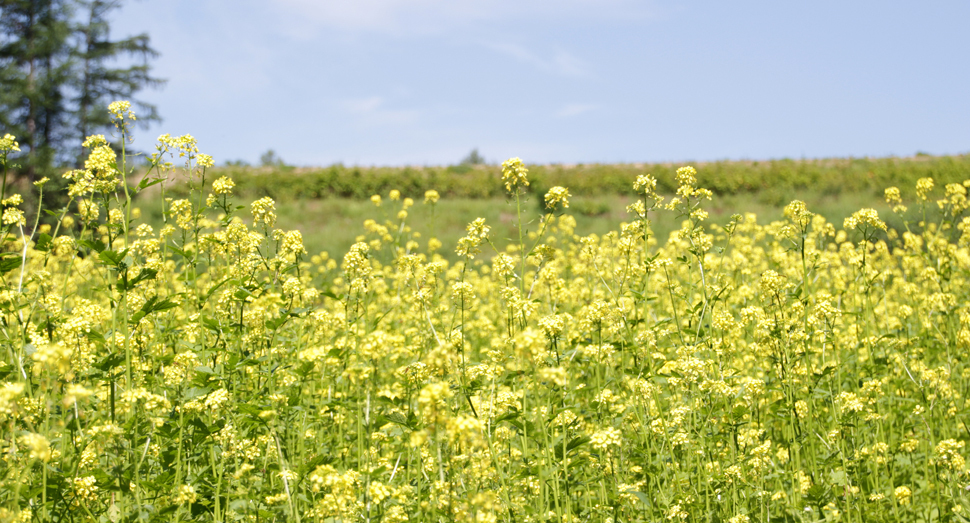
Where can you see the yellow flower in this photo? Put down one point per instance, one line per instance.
(948, 453)
(798, 213)
(865, 220)
(121, 111)
(264, 211)
(9, 144)
(223, 186)
(95, 140)
(645, 184)
(39, 447)
(85, 489)
(892, 196)
(606, 438)
(557, 195)
(13, 216)
(687, 176)
(186, 495)
(462, 292)
(182, 211)
(903, 495)
(923, 187)
(514, 174)
(101, 160)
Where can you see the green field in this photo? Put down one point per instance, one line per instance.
(329, 205)
(332, 224)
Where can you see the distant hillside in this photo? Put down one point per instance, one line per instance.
(785, 176)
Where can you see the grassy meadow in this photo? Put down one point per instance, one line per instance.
(332, 225)
(175, 349)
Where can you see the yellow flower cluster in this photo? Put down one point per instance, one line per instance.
(557, 196)
(9, 144)
(121, 110)
(727, 372)
(514, 174)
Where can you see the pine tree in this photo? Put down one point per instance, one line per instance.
(97, 84)
(57, 78)
(35, 65)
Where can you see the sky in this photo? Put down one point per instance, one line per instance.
(423, 82)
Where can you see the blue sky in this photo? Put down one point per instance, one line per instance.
(422, 82)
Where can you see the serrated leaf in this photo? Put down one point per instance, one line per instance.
(150, 306)
(43, 242)
(211, 324)
(9, 264)
(94, 245)
(112, 258)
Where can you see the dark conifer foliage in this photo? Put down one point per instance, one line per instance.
(99, 80)
(59, 68)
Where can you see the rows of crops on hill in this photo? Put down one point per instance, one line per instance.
(210, 369)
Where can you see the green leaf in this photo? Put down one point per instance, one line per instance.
(94, 245)
(246, 408)
(319, 459)
(43, 242)
(150, 306)
(112, 258)
(571, 446)
(178, 251)
(333, 296)
(396, 418)
(378, 471)
(147, 182)
(96, 337)
(507, 416)
(645, 499)
(215, 287)
(110, 361)
(10, 263)
(211, 324)
(144, 274)
(276, 323)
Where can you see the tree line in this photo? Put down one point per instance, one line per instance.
(59, 69)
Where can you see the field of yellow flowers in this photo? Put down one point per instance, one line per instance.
(212, 370)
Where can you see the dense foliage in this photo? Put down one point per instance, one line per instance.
(778, 177)
(212, 371)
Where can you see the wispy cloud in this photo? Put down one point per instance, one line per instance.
(561, 62)
(363, 105)
(373, 111)
(570, 110)
(421, 16)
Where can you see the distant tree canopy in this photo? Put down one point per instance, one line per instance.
(271, 159)
(59, 70)
(473, 158)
